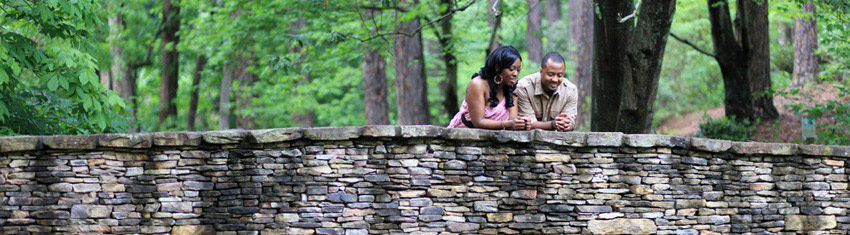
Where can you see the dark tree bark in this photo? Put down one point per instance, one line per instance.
(200, 62)
(805, 45)
(553, 11)
(446, 38)
(627, 63)
(170, 56)
(757, 43)
(375, 88)
(581, 36)
(744, 58)
(495, 24)
(786, 34)
(534, 36)
(224, 99)
(411, 85)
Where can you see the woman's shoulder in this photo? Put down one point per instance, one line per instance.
(478, 81)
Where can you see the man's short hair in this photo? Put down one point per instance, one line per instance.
(553, 57)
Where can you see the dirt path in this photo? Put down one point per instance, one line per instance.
(786, 128)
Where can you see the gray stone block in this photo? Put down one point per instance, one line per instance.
(18, 143)
(135, 140)
(275, 135)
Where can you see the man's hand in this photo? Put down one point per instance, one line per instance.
(563, 122)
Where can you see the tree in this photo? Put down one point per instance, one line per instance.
(375, 82)
(411, 86)
(495, 23)
(743, 58)
(48, 81)
(224, 99)
(200, 62)
(446, 39)
(627, 62)
(170, 60)
(581, 36)
(805, 45)
(534, 36)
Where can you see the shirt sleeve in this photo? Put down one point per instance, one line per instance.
(571, 106)
(524, 105)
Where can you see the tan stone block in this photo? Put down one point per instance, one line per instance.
(833, 162)
(500, 217)
(640, 189)
(809, 223)
(622, 226)
(193, 230)
(552, 157)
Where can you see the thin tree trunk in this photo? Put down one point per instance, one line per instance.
(786, 34)
(303, 118)
(581, 36)
(200, 62)
(128, 92)
(757, 44)
(805, 45)
(553, 11)
(495, 23)
(105, 78)
(245, 91)
(170, 57)
(224, 99)
(411, 85)
(446, 38)
(534, 36)
(116, 25)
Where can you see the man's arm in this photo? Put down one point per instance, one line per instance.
(571, 109)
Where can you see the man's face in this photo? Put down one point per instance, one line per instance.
(551, 75)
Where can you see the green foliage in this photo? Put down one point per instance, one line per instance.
(726, 129)
(832, 116)
(48, 72)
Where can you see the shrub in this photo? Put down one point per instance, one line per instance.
(726, 129)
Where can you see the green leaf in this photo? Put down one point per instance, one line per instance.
(3, 111)
(4, 78)
(53, 84)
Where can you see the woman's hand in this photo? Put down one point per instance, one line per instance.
(521, 124)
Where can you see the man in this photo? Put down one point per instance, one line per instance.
(547, 99)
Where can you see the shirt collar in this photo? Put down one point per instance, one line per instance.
(538, 86)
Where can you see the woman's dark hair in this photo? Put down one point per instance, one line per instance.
(502, 58)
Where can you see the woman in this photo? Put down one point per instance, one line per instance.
(489, 102)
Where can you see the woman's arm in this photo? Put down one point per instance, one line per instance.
(475, 100)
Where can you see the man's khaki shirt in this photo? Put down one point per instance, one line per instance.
(536, 105)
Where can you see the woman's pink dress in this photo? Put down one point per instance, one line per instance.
(498, 113)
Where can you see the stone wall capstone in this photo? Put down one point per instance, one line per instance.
(417, 179)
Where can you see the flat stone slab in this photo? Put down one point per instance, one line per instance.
(18, 143)
(652, 140)
(809, 222)
(605, 139)
(622, 226)
(70, 141)
(466, 134)
(332, 133)
(275, 135)
(136, 140)
(380, 131)
(825, 150)
(764, 148)
(711, 145)
(225, 137)
(574, 139)
(177, 138)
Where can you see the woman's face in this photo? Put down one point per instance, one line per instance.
(510, 74)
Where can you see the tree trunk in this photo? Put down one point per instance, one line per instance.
(534, 36)
(553, 11)
(375, 87)
(128, 92)
(449, 60)
(757, 45)
(581, 36)
(245, 92)
(805, 44)
(627, 64)
(495, 23)
(610, 65)
(168, 82)
(411, 85)
(647, 56)
(200, 62)
(786, 34)
(224, 99)
(303, 118)
(730, 56)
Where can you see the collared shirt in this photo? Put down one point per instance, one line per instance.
(536, 105)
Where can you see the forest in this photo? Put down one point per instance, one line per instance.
(774, 71)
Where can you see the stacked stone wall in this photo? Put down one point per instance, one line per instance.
(417, 179)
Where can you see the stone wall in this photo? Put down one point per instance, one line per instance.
(417, 179)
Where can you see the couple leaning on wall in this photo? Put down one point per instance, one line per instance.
(496, 100)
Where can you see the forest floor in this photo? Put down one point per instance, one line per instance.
(785, 129)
